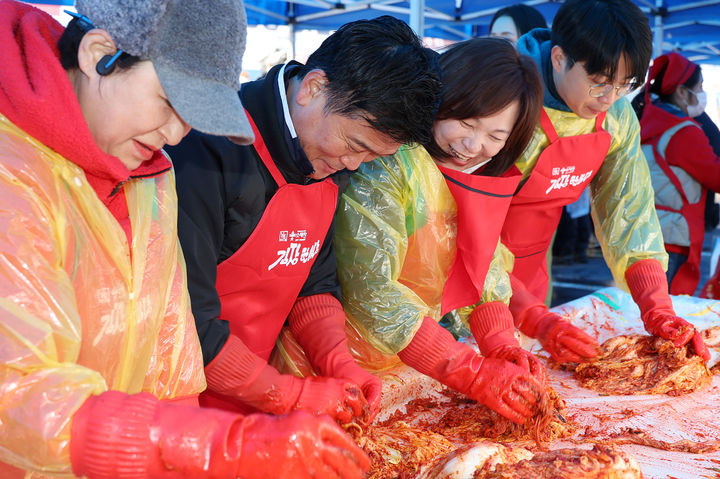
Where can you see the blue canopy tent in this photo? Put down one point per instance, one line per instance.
(689, 26)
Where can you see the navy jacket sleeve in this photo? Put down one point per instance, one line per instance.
(711, 131)
(201, 199)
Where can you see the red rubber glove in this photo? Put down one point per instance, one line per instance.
(565, 342)
(318, 324)
(240, 373)
(648, 286)
(504, 387)
(302, 446)
(493, 328)
(118, 436)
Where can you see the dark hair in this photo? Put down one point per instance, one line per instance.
(601, 32)
(482, 76)
(524, 16)
(378, 70)
(638, 102)
(69, 45)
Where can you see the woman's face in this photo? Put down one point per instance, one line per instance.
(693, 99)
(505, 27)
(129, 115)
(473, 141)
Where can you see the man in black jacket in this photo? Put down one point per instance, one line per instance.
(256, 222)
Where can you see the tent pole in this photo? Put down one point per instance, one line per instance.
(291, 31)
(658, 32)
(417, 7)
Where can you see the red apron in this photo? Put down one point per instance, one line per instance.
(711, 290)
(563, 170)
(687, 277)
(259, 284)
(482, 202)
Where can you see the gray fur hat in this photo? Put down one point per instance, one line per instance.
(196, 47)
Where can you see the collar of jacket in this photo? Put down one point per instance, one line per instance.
(264, 104)
(538, 45)
(288, 71)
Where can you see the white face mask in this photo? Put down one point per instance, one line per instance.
(699, 107)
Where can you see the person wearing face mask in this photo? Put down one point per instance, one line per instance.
(417, 233)
(100, 365)
(596, 52)
(682, 163)
(514, 21)
(256, 222)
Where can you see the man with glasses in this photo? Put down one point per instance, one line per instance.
(596, 53)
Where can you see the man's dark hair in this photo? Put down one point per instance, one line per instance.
(69, 45)
(524, 16)
(599, 33)
(378, 70)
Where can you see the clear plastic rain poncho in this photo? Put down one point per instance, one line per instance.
(622, 196)
(395, 241)
(79, 314)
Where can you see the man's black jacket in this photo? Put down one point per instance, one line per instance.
(223, 190)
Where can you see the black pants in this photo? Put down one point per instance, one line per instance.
(573, 236)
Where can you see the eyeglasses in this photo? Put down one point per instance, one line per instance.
(598, 90)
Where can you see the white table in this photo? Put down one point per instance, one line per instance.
(604, 314)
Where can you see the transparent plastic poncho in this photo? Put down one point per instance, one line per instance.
(622, 196)
(395, 241)
(79, 313)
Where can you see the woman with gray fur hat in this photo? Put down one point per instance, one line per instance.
(100, 365)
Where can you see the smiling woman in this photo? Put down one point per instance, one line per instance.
(415, 235)
(473, 142)
(484, 116)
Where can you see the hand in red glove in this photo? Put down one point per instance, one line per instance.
(117, 436)
(565, 342)
(239, 373)
(649, 288)
(493, 328)
(524, 359)
(500, 385)
(318, 324)
(303, 446)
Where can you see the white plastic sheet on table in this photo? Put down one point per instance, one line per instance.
(607, 313)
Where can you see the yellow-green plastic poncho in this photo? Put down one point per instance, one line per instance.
(622, 196)
(80, 313)
(395, 240)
